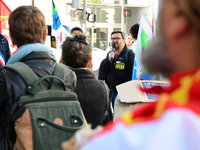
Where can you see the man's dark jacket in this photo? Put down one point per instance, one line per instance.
(116, 74)
(92, 97)
(12, 86)
(4, 48)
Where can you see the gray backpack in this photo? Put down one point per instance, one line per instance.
(43, 119)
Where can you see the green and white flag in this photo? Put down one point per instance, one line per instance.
(143, 40)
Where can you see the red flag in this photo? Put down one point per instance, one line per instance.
(4, 14)
(4, 29)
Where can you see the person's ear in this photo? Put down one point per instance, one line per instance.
(45, 33)
(89, 64)
(179, 27)
(62, 61)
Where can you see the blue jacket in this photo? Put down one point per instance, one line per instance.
(4, 48)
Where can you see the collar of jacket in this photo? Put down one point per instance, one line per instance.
(82, 73)
(27, 49)
(38, 55)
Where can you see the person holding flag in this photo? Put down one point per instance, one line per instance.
(4, 51)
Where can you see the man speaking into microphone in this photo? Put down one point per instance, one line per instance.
(118, 64)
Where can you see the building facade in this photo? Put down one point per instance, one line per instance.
(109, 15)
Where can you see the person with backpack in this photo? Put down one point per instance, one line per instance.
(77, 53)
(117, 67)
(28, 32)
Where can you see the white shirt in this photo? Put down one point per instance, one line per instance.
(133, 46)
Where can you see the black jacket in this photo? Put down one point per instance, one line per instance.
(119, 70)
(92, 97)
(12, 86)
(4, 48)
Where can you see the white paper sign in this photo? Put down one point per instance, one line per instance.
(129, 92)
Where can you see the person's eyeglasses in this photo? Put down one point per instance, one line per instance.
(115, 39)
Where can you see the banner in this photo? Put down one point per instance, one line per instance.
(4, 28)
(4, 14)
(143, 40)
(56, 24)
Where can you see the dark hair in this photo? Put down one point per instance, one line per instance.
(76, 28)
(27, 25)
(134, 30)
(117, 31)
(76, 51)
(128, 34)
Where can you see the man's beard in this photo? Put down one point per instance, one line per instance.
(156, 60)
(116, 46)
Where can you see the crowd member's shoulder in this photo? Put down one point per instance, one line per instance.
(2, 37)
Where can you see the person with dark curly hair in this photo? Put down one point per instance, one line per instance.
(134, 32)
(77, 53)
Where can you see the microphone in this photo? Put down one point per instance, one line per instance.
(113, 47)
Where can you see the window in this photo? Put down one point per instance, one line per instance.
(108, 15)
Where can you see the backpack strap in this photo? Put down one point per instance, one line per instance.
(25, 72)
(107, 94)
(108, 111)
(126, 54)
(33, 83)
(60, 72)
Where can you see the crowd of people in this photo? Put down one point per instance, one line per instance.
(171, 122)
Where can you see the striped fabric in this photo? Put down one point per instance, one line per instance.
(171, 123)
(2, 59)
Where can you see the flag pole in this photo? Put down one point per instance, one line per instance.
(84, 16)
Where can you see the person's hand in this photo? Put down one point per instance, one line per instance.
(111, 55)
(80, 138)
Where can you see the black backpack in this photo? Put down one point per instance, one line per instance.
(43, 119)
